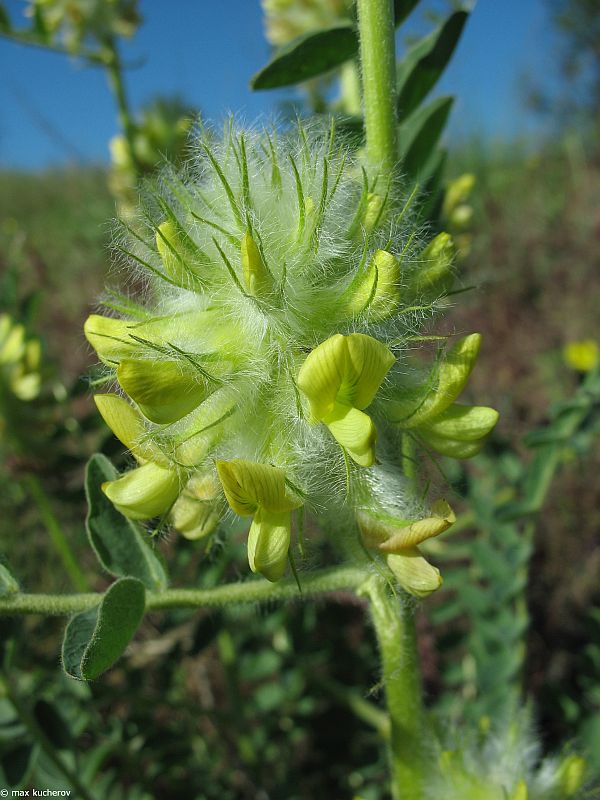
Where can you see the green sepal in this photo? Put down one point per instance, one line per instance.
(269, 542)
(144, 492)
(164, 391)
(435, 277)
(414, 573)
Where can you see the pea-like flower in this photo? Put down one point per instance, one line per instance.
(269, 365)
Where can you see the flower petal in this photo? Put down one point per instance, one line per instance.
(355, 431)
(392, 535)
(321, 375)
(269, 542)
(164, 391)
(128, 426)
(248, 485)
(144, 492)
(414, 573)
(367, 364)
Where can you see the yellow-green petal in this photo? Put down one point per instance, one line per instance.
(373, 211)
(367, 365)
(195, 513)
(414, 573)
(144, 492)
(392, 535)
(452, 448)
(418, 407)
(269, 542)
(128, 426)
(164, 390)
(109, 337)
(248, 485)
(462, 423)
(321, 374)
(355, 431)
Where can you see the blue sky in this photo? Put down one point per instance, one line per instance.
(53, 109)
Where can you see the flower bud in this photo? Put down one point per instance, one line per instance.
(373, 212)
(392, 535)
(582, 355)
(257, 278)
(376, 291)
(571, 774)
(128, 426)
(457, 193)
(435, 276)
(195, 513)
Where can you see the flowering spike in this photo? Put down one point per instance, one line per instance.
(222, 369)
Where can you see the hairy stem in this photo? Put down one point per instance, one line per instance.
(56, 533)
(328, 580)
(38, 735)
(378, 61)
(116, 82)
(395, 631)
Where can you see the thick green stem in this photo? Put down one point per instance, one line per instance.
(57, 536)
(41, 739)
(394, 627)
(328, 580)
(378, 61)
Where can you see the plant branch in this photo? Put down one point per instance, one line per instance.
(334, 579)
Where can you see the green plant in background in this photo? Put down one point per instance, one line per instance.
(269, 371)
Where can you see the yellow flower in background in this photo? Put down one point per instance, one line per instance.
(582, 354)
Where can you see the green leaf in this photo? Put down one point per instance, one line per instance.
(419, 71)
(95, 639)
(8, 585)
(308, 56)
(420, 134)
(402, 8)
(119, 543)
(16, 762)
(53, 724)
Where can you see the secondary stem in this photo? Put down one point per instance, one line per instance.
(378, 61)
(394, 627)
(328, 580)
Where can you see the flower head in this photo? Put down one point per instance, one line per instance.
(268, 367)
